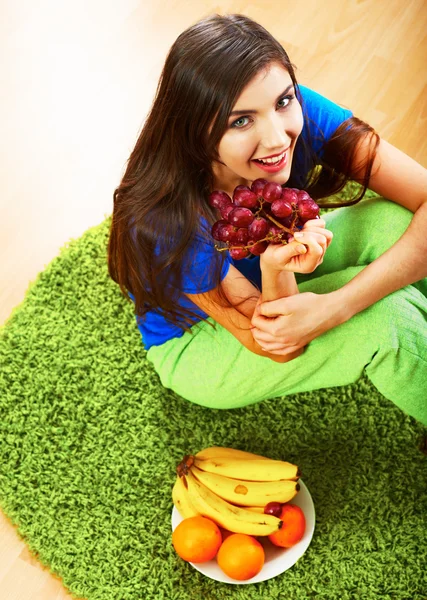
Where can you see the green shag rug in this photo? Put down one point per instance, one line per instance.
(89, 442)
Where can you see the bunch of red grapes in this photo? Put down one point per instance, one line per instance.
(257, 216)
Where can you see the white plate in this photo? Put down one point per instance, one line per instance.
(277, 560)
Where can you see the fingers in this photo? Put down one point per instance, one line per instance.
(316, 245)
(278, 348)
(319, 226)
(281, 254)
(319, 230)
(280, 308)
(315, 223)
(285, 351)
(304, 237)
(264, 339)
(328, 235)
(270, 323)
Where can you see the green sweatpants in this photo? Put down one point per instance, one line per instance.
(387, 341)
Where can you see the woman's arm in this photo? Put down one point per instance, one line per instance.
(400, 179)
(278, 284)
(237, 288)
(278, 265)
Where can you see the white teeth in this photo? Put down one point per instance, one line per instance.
(272, 161)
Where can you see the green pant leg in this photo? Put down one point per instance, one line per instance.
(362, 233)
(397, 326)
(388, 341)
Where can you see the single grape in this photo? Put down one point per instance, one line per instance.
(228, 233)
(257, 248)
(303, 195)
(238, 253)
(239, 188)
(281, 208)
(218, 199)
(272, 191)
(241, 217)
(243, 196)
(307, 209)
(290, 195)
(273, 508)
(242, 235)
(224, 232)
(217, 228)
(258, 186)
(258, 229)
(226, 210)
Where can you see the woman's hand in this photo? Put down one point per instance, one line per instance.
(288, 324)
(313, 236)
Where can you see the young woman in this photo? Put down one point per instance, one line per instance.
(226, 333)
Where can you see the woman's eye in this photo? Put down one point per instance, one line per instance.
(236, 123)
(287, 100)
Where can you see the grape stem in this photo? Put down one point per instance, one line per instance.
(266, 239)
(277, 223)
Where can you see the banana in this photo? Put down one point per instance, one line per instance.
(249, 470)
(220, 452)
(228, 516)
(182, 501)
(247, 493)
(257, 509)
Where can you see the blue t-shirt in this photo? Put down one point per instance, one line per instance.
(323, 119)
(199, 265)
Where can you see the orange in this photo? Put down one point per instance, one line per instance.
(197, 539)
(241, 556)
(292, 529)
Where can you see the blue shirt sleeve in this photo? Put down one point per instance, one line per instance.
(201, 262)
(323, 117)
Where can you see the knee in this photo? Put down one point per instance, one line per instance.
(383, 223)
(399, 319)
(384, 215)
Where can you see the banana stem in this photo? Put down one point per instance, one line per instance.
(185, 465)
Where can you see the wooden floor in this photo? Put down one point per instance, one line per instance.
(80, 76)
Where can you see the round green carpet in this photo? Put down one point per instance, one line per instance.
(89, 442)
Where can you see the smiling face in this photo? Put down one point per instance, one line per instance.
(266, 120)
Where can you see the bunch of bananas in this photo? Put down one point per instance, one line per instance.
(232, 487)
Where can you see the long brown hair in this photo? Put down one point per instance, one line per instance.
(168, 178)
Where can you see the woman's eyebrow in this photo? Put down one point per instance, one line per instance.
(254, 112)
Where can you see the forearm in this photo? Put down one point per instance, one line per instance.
(402, 264)
(277, 284)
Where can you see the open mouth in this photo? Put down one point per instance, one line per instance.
(271, 165)
(272, 161)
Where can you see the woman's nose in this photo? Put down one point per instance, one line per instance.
(274, 135)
